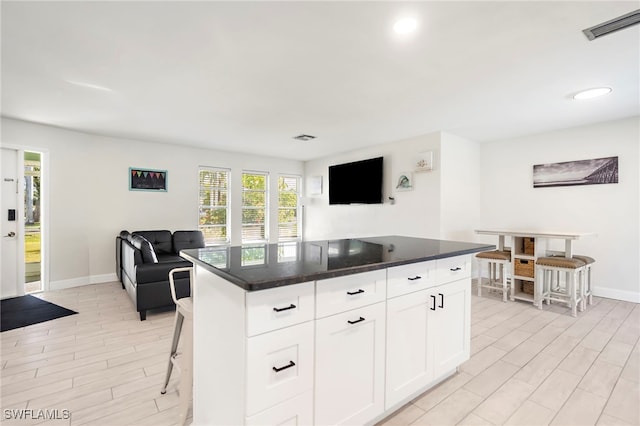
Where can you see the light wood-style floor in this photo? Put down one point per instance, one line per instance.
(528, 367)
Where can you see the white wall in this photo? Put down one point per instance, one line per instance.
(443, 204)
(611, 211)
(415, 213)
(91, 202)
(460, 188)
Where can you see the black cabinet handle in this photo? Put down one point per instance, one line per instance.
(433, 305)
(292, 306)
(277, 370)
(457, 268)
(351, 293)
(417, 277)
(356, 321)
(441, 305)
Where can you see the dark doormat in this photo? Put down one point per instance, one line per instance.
(27, 310)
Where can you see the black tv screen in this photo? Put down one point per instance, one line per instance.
(359, 182)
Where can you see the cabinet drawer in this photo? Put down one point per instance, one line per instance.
(279, 366)
(409, 278)
(453, 268)
(279, 307)
(295, 411)
(341, 294)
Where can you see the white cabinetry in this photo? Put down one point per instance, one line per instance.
(344, 350)
(349, 386)
(428, 332)
(449, 326)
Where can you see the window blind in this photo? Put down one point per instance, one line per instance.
(213, 206)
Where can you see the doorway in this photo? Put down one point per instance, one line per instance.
(23, 225)
(33, 265)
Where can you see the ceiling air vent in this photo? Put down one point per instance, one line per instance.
(304, 137)
(613, 25)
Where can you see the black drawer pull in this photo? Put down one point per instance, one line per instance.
(457, 268)
(356, 321)
(277, 370)
(417, 277)
(441, 305)
(351, 293)
(292, 306)
(433, 305)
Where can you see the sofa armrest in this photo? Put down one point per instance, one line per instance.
(130, 257)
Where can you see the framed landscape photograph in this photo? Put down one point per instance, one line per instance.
(581, 172)
(147, 180)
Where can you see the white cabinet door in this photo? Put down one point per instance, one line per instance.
(350, 366)
(449, 326)
(427, 337)
(408, 366)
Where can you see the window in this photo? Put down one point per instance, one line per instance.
(288, 211)
(214, 205)
(254, 207)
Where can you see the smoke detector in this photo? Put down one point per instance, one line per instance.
(304, 137)
(619, 23)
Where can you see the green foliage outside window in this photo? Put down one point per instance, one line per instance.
(214, 205)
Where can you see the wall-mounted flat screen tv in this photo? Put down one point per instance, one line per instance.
(359, 182)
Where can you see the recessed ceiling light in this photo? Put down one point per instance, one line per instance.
(592, 93)
(405, 26)
(89, 85)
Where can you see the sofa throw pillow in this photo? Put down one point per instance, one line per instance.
(145, 247)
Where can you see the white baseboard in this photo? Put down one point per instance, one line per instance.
(80, 281)
(611, 293)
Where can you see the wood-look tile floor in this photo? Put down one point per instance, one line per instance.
(104, 366)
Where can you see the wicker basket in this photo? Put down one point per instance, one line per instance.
(529, 246)
(524, 267)
(527, 287)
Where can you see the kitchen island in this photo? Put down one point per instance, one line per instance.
(326, 332)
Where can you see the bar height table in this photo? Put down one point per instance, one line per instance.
(539, 249)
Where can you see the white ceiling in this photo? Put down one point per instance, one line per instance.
(248, 76)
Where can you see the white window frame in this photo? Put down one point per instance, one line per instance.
(266, 207)
(227, 241)
(297, 208)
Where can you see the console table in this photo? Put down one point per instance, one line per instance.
(527, 246)
(326, 332)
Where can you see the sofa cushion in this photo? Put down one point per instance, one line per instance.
(161, 240)
(148, 273)
(145, 247)
(187, 240)
(163, 258)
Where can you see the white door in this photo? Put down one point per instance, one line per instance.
(12, 282)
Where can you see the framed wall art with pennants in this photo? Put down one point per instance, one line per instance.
(147, 180)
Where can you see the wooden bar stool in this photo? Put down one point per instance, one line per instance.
(498, 264)
(573, 290)
(183, 321)
(587, 296)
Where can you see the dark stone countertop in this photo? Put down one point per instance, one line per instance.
(259, 267)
